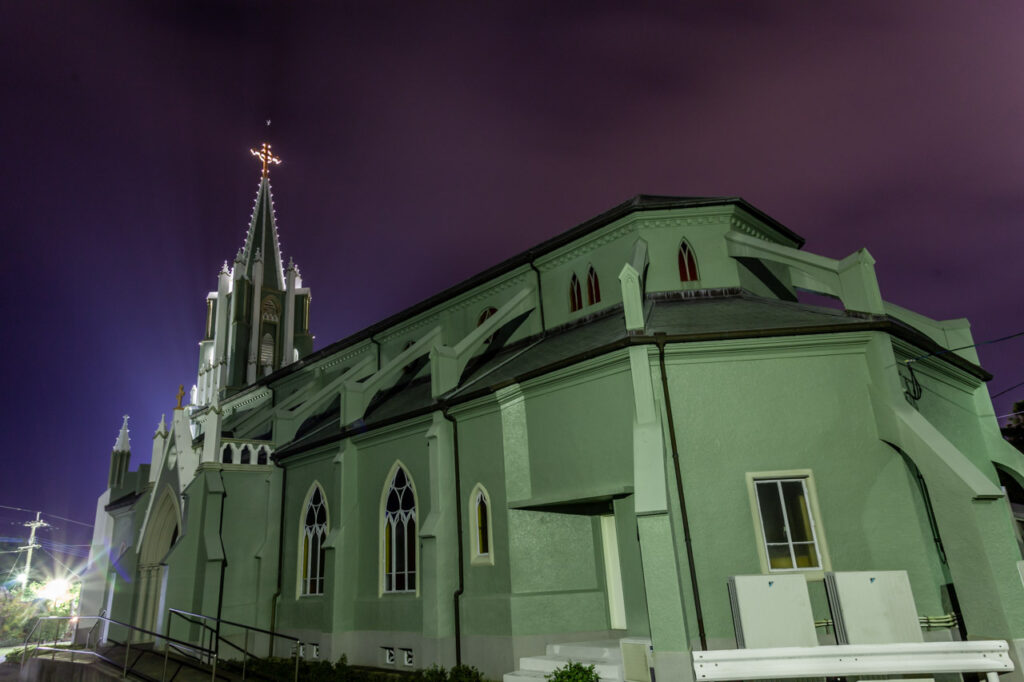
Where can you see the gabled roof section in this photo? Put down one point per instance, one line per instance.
(638, 204)
(262, 237)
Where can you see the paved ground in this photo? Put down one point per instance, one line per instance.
(8, 672)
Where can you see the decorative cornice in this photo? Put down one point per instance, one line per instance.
(934, 366)
(338, 358)
(749, 228)
(247, 400)
(430, 317)
(726, 350)
(628, 225)
(606, 364)
(482, 294)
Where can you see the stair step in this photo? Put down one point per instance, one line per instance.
(593, 651)
(524, 676)
(606, 669)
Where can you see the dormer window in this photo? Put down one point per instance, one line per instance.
(575, 294)
(593, 287)
(687, 263)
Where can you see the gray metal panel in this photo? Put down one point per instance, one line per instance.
(772, 611)
(873, 607)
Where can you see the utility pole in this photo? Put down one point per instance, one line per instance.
(38, 523)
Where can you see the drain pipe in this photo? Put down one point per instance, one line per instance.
(280, 556)
(458, 534)
(223, 569)
(659, 339)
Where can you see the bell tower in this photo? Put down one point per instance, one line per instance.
(257, 321)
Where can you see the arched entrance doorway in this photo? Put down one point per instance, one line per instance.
(161, 532)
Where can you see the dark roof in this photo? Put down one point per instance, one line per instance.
(641, 202)
(680, 318)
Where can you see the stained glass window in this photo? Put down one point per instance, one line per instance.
(400, 535)
(314, 534)
(593, 287)
(687, 263)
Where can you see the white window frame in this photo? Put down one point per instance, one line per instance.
(478, 558)
(806, 477)
(385, 521)
(311, 562)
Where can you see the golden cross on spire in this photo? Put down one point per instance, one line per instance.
(265, 156)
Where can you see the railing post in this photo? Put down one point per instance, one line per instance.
(245, 652)
(127, 650)
(298, 646)
(167, 645)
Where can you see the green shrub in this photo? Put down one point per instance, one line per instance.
(465, 673)
(573, 672)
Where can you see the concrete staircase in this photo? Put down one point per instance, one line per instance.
(605, 656)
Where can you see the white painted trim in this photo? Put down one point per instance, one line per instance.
(476, 558)
(613, 573)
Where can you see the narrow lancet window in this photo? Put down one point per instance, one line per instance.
(593, 287)
(687, 263)
(575, 294)
(314, 534)
(399, 535)
(483, 540)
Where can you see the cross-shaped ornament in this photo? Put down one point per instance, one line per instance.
(265, 156)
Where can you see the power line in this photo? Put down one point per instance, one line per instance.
(973, 345)
(35, 511)
(1009, 389)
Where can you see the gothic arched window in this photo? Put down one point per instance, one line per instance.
(687, 263)
(314, 532)
(225, 454)
(593, 287)
(399, 534)
(482, 543)
(575, 295)
(246, 455)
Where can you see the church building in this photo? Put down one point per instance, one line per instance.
(584, 443)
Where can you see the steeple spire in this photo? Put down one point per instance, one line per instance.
(262, 234)
(257, 321)
(123, 442)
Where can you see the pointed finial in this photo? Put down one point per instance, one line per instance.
(181, 394)
(162, 426)
(266, 157)
(259, 255)
(224, 269)
(123, 443)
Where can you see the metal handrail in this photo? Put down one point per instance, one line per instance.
(127, 644)
(217, 638)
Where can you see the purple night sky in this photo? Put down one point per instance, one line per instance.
(424, 142)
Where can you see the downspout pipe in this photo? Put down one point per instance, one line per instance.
(659, 339)
(223, 570)
(280, 554)
(458, 535)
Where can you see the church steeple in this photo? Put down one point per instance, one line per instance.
(258, 319)
(120, 457)
(262, 236)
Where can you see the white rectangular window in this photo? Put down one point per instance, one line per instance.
(787, 524)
